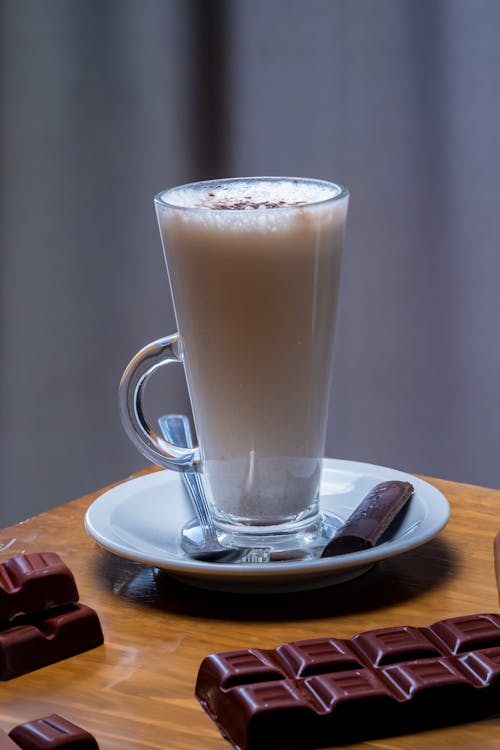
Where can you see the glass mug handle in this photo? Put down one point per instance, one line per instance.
(162, 352)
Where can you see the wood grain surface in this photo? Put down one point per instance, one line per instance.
(137, 691)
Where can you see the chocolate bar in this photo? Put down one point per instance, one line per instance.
(370, 520)
(30, 643)
(330, 691)
(50, 733)
(33, 583)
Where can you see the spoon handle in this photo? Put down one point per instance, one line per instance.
(177, 430)
(196, 491)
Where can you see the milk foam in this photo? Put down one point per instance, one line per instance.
(253, 194)
(256, 204)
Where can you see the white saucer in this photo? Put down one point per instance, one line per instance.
(141, 520)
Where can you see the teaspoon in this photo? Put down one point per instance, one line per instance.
(177, 430)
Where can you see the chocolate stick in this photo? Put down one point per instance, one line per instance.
(372, 517)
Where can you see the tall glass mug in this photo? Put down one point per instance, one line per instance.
(254, 268)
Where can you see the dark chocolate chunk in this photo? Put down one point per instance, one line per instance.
(30, 643)
(330, 691)
(33, 583)
(51, 733)
(370, 520)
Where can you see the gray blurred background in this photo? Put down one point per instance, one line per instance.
(105, 102)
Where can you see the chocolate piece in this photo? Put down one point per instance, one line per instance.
(330, 691)
(33, 583)
(372, 517)
(51, 733)
(31, 643)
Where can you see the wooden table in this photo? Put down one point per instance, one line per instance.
(136, 691)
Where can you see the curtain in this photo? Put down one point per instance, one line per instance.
(105, 102)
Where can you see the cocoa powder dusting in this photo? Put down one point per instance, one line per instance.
(244, 204)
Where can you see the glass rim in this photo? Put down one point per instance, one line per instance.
(341, 192)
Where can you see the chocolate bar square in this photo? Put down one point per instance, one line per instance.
(50, 733)
(34, 582)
